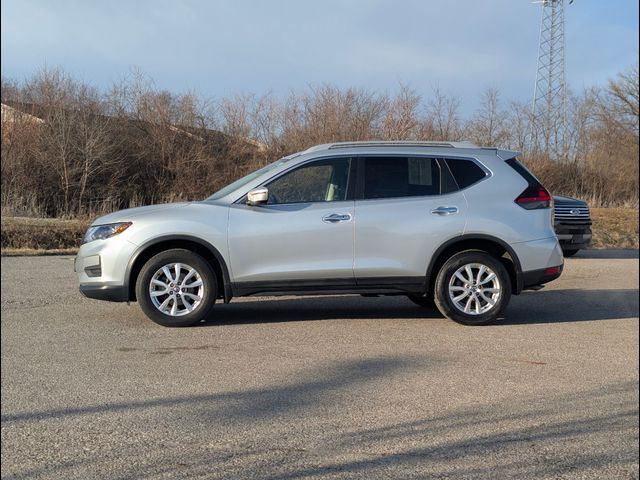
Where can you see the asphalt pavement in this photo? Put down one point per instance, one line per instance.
(323, 387)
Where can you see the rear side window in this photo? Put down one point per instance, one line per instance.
(389, 177)
(465, 172)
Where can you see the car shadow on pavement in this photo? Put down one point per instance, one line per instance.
(546, 306)
(326, 307)
(571, 305)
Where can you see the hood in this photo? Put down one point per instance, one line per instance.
(133, 213)
(560, 200)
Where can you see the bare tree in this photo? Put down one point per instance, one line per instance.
(68, 149)
(442, 121)
(401, 119)
(624, 93)
(518, 126)
(488, 126)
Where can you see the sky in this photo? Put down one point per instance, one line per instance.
(224, 47)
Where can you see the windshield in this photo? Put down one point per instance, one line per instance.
(246, 179)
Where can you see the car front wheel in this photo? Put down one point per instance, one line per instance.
(472, 288)
(176, 288)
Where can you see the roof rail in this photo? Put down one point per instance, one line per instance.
(403, 143)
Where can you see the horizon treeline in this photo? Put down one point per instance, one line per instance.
(69, 149)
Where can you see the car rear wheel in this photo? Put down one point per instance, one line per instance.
(570, 253)
(176, 288)
(472, 288)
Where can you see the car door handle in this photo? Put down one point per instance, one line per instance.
(444, 211)
(336, 217)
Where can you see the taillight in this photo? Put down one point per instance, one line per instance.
(534, 198)
(552, 271)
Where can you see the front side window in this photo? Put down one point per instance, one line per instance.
(320, 181)
(389, 177)
(232, 187)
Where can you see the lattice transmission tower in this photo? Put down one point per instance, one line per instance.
(550, 96)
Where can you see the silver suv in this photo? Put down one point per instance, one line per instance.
(446, 224)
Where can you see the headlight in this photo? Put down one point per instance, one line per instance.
(100, 232)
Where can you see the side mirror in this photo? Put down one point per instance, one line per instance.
(259, 196)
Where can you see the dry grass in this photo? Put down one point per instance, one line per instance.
(41, 234)
(31, 252)
(615, 228)
(612, 228)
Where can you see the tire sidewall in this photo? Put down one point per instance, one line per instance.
(171, 256)
(445, 304)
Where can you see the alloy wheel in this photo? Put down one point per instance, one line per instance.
(474, 289)
(176, 289)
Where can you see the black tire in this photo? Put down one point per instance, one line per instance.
(570, 253)
(446, 305)
(177, 255)
(422, 300)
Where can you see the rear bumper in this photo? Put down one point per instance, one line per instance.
(110, 293)
(535, 258)
(538, 254)
(533, 278)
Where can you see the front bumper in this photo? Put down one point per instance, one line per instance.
(110, 293)
(101, 267)
(573, 236)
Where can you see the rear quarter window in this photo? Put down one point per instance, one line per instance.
(524, 172)
(465, 172)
